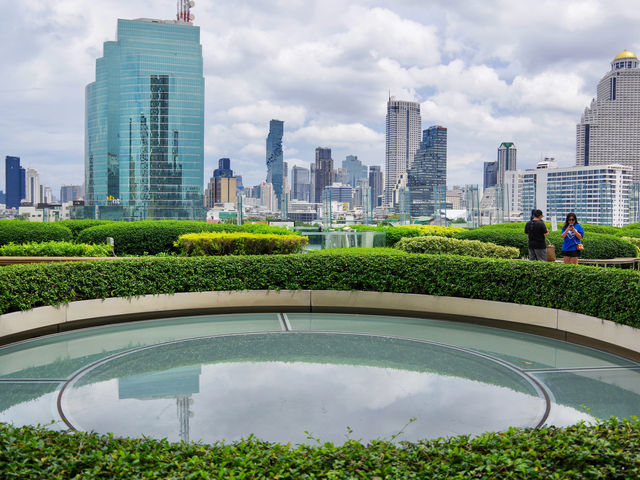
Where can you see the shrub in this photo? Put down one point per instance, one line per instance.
(153, 237)
(472, 248)
(543, 284)
(596, 245)
(394, 234)
(239, 243)
(635, 241)
(18, 231)
(76, 226)
(55, 249)
(437, 230)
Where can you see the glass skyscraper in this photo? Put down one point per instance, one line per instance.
(144, 138)
(15, 182)
(275, 164)
(427, 176)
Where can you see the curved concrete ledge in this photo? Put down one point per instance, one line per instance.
(560, 324)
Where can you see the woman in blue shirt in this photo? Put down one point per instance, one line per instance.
(572, 233)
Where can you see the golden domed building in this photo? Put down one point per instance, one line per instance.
(609, 130)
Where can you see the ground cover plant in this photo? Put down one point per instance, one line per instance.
(20, 231)
(566, 287)
(55, 249)
(239, 243)
(472, 248)
(151, 237)
(605, 450)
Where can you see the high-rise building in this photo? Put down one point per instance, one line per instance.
(300, 184)
(15, 182)
(376, 184)
(507, 160)
(490, 174)
(427, 176)
(275, 166)
(33, 187)
(324, 174)
(598, 194)
(144, 148)
(355, 169)
(402, 141)
(3, 198)
(69, 193)
(609, 130)
(222, 185)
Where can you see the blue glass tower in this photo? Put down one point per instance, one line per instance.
(275, 163)
(427, 176)
(144, 138)
(15, 182)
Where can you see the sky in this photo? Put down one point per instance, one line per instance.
(505, 70)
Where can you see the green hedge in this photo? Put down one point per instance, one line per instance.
(76, 226)
(151, 237)
(565, 287)
(596, 245)
(472, 248)
(55, 249)
(19, 231)
(239, 243)
(394, 234)
(605, 450)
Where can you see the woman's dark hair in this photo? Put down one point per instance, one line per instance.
(533, 214)
(570, 215)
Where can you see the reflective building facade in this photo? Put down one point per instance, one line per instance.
(427, 177)
(144, 138)
(275, 163)
(15, 182)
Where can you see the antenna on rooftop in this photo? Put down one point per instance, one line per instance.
(184, 11)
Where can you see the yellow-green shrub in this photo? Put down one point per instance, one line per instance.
(437, 230)
(240, 243)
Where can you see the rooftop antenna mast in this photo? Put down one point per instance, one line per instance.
(184, 11)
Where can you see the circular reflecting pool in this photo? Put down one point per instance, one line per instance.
(297, 386)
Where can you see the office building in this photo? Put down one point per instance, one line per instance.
(69, 193)
(490, 174)
(376, 182)
(32, 195)
(340, 193)
(324, 174)
(402, 141)
(507, 160)
(300, 183)
(355, 170)
(15, 182)
(427, 176)
(609, 129)
(222, 186)
(275, 164)
(598, 194)
(144, 149)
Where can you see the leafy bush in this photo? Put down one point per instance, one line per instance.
(55, 249)
(437, 230)
(560, 286)
(76, 226)
(158, 236)
(239, 243)
(18, 231)
(596, 245)
(634, 241)
(604, 450)
(472, 248)
(357, 251)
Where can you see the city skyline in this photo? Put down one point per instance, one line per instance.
(328, 77)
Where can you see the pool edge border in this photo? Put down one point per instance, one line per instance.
(573, 327)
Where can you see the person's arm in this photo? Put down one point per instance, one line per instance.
(578, 234)
(565, 231)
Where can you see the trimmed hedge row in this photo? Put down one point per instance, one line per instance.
(394, 234)
(596, 245)
(55, 249)
(76, 226)
(151, 237)
(239, 243)
(472, 248)
(605, 450)
(20, 231)
(564, 287)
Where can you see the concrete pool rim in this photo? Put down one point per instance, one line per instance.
(572, 327)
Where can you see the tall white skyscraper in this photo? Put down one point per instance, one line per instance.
(507, 160)
(609, 130)
(33, 187)
(403, 139)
